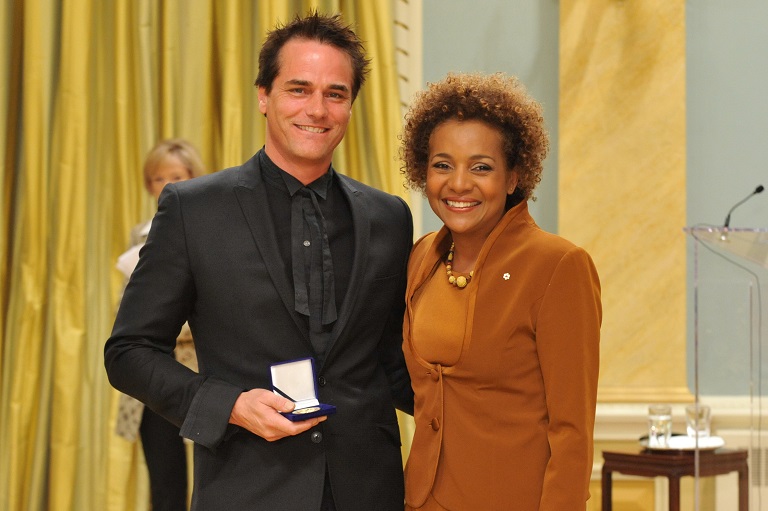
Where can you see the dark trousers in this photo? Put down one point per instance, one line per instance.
(166, 461)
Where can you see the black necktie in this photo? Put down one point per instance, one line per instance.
(313, 280)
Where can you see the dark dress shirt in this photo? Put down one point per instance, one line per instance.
(313, 224)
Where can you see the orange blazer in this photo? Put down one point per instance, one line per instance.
(510, 425)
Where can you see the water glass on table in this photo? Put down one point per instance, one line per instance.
(659, 426)
(697, 420)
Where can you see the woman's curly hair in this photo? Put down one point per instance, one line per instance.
(496, 99)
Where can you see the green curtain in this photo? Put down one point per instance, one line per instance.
(88, 87)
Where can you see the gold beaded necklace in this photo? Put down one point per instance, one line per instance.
(461, 281)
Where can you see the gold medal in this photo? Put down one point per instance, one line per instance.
(310, 409)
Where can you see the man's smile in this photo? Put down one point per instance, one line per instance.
(311, 129)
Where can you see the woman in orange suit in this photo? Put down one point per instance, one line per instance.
(502, 327)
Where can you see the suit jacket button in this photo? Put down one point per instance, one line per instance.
(435, 423)
(321, 381)
(316, 437)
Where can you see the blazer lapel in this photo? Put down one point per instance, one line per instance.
(362, 229)
(252, 197)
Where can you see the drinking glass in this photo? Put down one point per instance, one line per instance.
(697, 420)
(659, 426)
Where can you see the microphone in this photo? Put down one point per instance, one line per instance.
(759, 189)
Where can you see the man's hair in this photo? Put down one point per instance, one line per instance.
(322, 28)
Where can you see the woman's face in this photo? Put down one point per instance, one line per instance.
(467, 177)
(170, 170)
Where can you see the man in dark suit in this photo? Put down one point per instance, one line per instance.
(279, 259)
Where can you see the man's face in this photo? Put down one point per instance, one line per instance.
(308, 108)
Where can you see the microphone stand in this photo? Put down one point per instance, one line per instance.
(724, 235)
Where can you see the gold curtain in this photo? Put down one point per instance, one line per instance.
(88, 87)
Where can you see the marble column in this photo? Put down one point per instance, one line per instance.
(622, 183)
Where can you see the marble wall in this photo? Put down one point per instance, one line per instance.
(622, 183)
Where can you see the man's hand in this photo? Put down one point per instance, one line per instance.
(258, 411)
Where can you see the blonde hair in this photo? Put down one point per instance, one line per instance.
(178, 147)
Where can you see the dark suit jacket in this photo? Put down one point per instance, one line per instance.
(212, 258)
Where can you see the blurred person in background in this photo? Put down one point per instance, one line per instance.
(170, 161)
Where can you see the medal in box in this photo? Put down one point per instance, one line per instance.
(295, 380)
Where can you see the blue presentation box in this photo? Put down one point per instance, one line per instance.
(295, 380)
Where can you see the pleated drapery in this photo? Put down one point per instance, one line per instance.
(88, 87)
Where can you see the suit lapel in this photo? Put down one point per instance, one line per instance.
(362, 229)
(252, 197)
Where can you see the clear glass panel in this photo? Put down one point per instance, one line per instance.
(727, 283)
